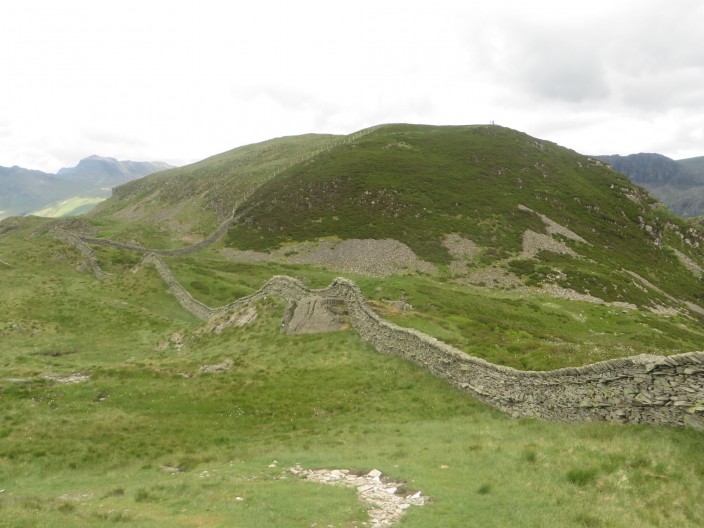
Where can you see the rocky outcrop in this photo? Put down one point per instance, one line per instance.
(553, 228)
(216, 368)
(688, 263)
(534, 243)
(314, 314)
(639, 389)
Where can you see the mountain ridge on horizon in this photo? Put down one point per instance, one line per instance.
(69, 191)
(679, 184)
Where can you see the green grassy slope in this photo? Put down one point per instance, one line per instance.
(416, 184)
(51, 309)
(145, 438)
(203, 194)
(102, 452)
(528, 332)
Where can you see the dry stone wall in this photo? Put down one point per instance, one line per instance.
(219, 232)
(639, 389)
(185, 299)
(85, 250)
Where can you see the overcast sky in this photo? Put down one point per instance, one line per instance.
(178, 81)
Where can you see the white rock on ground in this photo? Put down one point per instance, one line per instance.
(381, 498)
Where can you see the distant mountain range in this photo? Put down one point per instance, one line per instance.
(72, 190)
(678, 184)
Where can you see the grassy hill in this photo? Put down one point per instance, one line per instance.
(122, 408)
(543, 221)
(418, 184)
(197, 197)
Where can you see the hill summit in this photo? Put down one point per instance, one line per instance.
(481, 205)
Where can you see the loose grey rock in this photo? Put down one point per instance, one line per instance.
(380, 496)
(217, 367)
(314, 314)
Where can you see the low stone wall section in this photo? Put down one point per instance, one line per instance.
(217, 234)
(639, 389)
(85, 250)
(185, 299)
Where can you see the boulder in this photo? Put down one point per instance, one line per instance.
(314, 314)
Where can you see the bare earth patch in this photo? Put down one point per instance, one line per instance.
(216, 368)
(494, 276)
(554, 290)
(663, 310)
(239, 318)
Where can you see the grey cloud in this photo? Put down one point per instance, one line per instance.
(568, 73)
(647, 56)
(657, 61)
(403, 109)
(290, 98)
(659, 36)
(669, 90)
(685, 141)
(543, 62)
(5, 128)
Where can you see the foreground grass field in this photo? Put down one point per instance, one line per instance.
(98, 452)
(144, 438)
